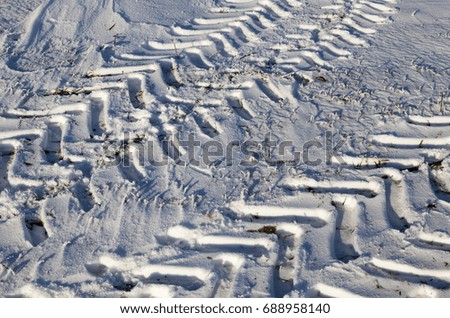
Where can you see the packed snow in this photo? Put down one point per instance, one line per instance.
(224, 148)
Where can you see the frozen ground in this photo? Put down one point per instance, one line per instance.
(95, 94)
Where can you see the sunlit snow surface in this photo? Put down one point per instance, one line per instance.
(228, 148)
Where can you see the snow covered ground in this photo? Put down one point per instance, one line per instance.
(225, 148)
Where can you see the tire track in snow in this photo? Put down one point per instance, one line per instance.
(147, 86)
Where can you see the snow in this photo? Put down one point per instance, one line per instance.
(226, 148)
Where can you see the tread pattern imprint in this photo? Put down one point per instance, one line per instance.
(95, 221)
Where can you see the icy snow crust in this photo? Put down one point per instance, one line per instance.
(98, 194)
